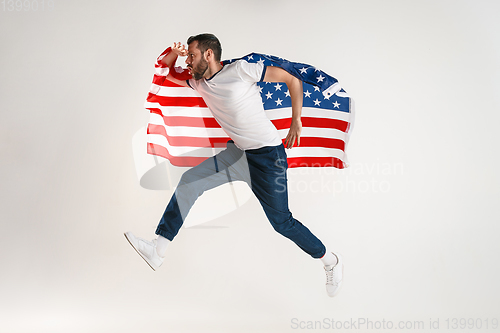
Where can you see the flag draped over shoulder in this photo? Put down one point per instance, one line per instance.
(183, 130)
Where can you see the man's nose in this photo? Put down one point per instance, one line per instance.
(188, 61)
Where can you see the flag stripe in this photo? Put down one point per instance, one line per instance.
(278, 123)
(309, 112)
(312, 122)
(315, 152)
(179, 110)
(185, 150)
(271, 114)
(321, 142)
(156, 119)
(207, 150)
(180, 161)
(187, 121)
(174, 91)
(175, 101)
(187, 140)
(293, 162)
(161, 81)
(317, 132)
(212, 142)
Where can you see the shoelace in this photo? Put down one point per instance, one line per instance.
(330, 277)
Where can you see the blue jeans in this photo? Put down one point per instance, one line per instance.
(264, 170)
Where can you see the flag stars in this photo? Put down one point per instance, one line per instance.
(287, 93)
(250, 57)
(317, 102)
(307, 93)
(336, 104)
(278, 86)
(260, 89)
(261, 61)
(303, 70)
(320, 78)
(278, 101)
(269, 95)
(316, 88)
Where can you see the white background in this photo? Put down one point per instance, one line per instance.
(416, 217)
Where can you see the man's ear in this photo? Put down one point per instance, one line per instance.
(209, 54)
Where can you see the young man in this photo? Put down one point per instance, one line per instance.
(255, 154)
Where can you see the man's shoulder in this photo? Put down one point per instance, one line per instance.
(249, 71)
(239, 63)
(234, 65)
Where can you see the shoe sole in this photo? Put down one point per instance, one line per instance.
(145, 259)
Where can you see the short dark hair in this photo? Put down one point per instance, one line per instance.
(207, 41)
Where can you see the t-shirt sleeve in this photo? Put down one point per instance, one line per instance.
(251, 72)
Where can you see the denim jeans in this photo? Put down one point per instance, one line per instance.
(264, 170)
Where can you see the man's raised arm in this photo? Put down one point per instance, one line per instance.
(276, 74)
(177, 49)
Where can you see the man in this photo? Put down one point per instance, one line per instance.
(255, 154)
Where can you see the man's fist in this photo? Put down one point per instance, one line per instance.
(179, 49)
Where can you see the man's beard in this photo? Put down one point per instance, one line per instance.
(200, 69)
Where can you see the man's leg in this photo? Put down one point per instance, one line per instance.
(268, 167)
(228, 165)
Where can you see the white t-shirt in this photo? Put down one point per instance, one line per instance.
(233, 97)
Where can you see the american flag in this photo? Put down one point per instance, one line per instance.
(183, 130)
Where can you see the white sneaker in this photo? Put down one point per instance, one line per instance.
(334, 276)
(146, 249)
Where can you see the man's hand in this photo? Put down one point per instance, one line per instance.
(179, 49)
(293, 133)
(176, 50)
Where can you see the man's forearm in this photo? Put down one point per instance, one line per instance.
(169, 59)
(276, 74)
(295, 89)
